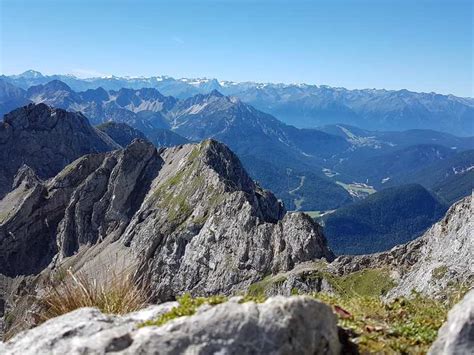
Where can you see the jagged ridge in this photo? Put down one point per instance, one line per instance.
(190, 213)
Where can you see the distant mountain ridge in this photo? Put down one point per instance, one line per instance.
(302, 105)
(309, 169)
(251, 133)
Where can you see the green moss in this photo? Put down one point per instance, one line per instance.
(175, 180)
(174, 193)
(369, 282)
(195, 153)
(253, 298)
(295, 291)
(179, 210)
(439, 272)
(187, 307)
(259, 289)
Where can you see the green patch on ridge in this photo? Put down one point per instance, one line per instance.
(259, 288)
(176, 192)
(365, 283)
(187, 307)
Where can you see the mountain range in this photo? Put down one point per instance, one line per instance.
(309, 169)
(189, 220)
(301, 105)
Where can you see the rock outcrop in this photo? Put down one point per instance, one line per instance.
(431, 264)
(190, 217)
(456, 336)
(202, 224)
(297, 325)
(46, 140)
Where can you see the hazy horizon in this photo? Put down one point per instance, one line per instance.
(220, 80)
(421, 46)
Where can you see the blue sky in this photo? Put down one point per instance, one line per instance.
(422, 45)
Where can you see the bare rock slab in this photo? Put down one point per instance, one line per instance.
(456, 336)
(295, 325)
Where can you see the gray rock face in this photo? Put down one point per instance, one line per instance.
(45, 139)
(220, 231)
(431, 264)
(456, 336)
(91, 198)
(190, 217)
(297, 325)
(445, 256)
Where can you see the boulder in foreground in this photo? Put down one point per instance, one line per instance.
(456, 336)
(295, 325)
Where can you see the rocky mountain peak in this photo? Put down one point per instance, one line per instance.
(150, 94)
(26, 176)
(40, 116)
(52, 86)
(37, 133)
(95, 95)
(30, 74)
(189, 214)
(199, 99)
(121, 133)
(220, 158)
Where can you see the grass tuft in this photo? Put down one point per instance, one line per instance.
(112, 292)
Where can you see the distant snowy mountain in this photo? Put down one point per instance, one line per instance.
(302, 105)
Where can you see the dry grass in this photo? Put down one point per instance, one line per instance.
(111, 291)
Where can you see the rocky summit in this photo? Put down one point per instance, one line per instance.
(144, 214)
(46, 139)
(189, 216)
(190, 225)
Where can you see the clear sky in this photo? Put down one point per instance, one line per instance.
(421, 45)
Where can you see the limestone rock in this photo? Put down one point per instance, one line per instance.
(297, 325)
(431, 264)
(189, 217)
(456, 336)
(444, 258)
